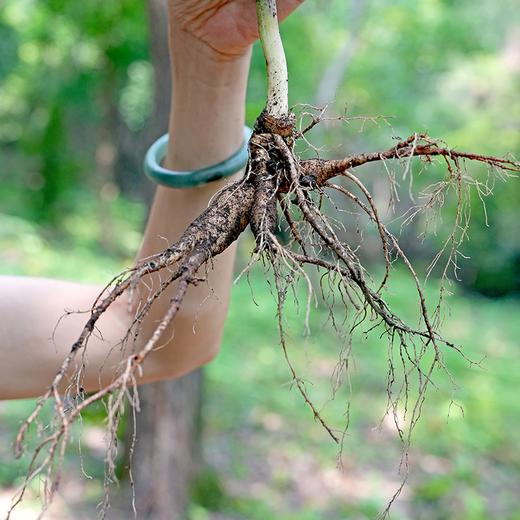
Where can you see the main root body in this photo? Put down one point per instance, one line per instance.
(278, 191)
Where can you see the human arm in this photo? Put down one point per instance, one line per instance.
(210, 65)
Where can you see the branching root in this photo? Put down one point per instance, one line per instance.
(276, 179)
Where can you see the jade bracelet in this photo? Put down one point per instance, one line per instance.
(187, 179)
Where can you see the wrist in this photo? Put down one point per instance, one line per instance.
(207, 106)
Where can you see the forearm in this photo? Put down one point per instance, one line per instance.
(206, 126)
(210, 43)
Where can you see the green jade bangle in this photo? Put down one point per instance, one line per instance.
(187, 179)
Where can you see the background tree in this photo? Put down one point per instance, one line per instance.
(167, 430)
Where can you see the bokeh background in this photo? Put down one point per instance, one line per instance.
(82, 89)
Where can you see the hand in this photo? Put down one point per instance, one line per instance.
(225, 28)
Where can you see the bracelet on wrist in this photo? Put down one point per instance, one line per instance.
(188, 179)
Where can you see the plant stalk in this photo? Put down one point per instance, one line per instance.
(278, 83)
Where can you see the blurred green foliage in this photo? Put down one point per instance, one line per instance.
(58, 63)
(440, 66)
(464, 462)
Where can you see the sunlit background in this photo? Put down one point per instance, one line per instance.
(77, 97)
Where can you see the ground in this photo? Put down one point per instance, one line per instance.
(264, 455)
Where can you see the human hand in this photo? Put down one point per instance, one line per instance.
(224, 29)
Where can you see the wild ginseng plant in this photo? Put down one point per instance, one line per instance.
(280, 191)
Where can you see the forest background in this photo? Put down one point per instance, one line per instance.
(77, 90)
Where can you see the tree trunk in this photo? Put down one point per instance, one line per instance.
(133, 145)
(167, 428)
(167, 434)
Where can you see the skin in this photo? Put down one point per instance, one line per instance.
(210, 45)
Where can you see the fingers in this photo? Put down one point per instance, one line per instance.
(286, 7)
